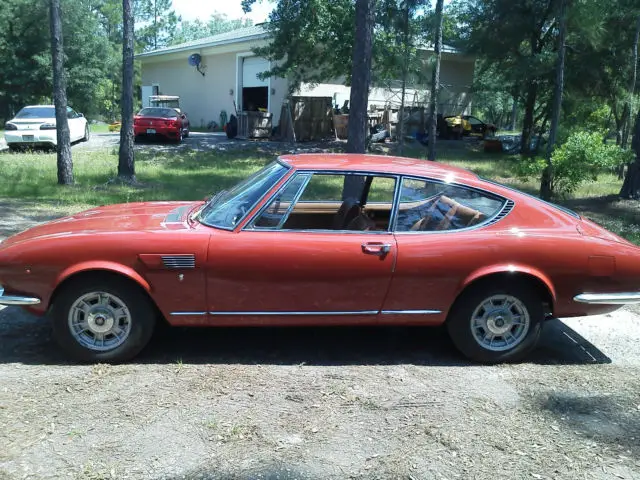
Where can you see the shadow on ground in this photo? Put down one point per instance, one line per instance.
(15, 216)
(26, 339)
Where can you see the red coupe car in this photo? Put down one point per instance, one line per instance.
(161, 122)
(323, 240)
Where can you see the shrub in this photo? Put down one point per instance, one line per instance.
(581, 158)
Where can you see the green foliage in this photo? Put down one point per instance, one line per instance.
(580, 159)
(158, 21)
(311, 40)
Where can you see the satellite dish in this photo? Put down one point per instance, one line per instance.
(195, 59)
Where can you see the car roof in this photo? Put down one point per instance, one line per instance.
(378, 164)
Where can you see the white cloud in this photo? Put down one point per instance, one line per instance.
(202, 9)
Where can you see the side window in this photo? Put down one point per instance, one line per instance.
(71, 113)
(431, 206)
(330, 202)
(280, 207)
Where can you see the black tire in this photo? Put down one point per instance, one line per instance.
(142, 319)
(186, 133)
(15, 148)
(459, 322)
(87, 134)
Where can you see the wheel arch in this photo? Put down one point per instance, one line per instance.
(512, 273)
(93, 269)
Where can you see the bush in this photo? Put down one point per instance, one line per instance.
(581, 158)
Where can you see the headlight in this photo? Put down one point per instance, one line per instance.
(10, 126)
(48, 126)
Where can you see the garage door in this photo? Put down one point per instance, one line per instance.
(251, 67)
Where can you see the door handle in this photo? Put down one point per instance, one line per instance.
(379, 249)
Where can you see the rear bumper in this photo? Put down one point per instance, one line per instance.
(30, 137)
(608, 298)
(156, 131)
(17, 300)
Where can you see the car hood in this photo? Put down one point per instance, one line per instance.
(113, 218)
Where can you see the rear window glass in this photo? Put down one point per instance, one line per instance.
(37, 112)
(158, 112)
(566, 210)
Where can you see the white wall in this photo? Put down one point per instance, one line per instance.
(202, 98)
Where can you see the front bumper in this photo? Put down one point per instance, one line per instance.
(15, 300)
(30, 137)
(608, 298)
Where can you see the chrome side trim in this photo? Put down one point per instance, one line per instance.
(15, 300)
(410, 312)
(184, 314)
(608, 298)
(363, 312)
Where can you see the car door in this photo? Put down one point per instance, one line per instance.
(306, 256)
(74, 124)
(440, 242)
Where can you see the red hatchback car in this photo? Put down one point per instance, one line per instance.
(161, 122)
(323, 240)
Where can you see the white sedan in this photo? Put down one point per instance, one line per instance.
(36, 126)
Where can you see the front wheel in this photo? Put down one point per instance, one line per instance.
(87, 134)
(102, 320)
(494, 324)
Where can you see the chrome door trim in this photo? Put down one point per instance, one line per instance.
(184, 314)
(10, 300)
(361, 312)
(622, 298)
(410, 312)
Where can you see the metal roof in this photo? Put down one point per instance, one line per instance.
(234, 36)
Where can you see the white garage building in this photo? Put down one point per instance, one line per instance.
(228, 69)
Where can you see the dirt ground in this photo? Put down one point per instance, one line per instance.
(362, 403)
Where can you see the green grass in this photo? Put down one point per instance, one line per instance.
(190, 175)
(164, 176)
(99, 128)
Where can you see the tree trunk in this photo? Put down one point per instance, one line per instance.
(361, 76)
(435, 82)
(631, 185)
(126, 166)
(405, 69)
(528, 121)
(65, 163)
(632, 87)
(514, 114)
(546, 182)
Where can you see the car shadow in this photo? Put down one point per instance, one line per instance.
(27, 339)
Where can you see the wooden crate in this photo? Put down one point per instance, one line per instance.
(309, 118)
(254, 124)
(341, 125)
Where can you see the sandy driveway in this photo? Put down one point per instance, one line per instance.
(321, 403)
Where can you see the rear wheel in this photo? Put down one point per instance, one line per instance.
(496, 323)
(102, 320)
(87, 134)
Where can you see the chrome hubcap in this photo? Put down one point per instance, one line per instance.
(99, 321)
(500, 323)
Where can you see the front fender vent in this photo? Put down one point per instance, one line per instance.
(506, 209)
(175, 262)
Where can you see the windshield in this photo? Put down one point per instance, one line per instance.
(37, 112)
(158, 112)
(227, 210)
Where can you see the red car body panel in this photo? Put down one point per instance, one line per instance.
(245, 277)
(169, 128)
